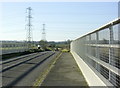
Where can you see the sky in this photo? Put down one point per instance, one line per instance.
(63, 20)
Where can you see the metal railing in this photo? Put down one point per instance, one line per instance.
(100, 49)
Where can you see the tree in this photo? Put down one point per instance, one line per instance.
(43, 44)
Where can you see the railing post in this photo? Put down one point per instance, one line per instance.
(97, 50)
(89, 45)
(111, 50)
(119, 34)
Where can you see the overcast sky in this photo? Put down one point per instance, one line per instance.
(64, 20)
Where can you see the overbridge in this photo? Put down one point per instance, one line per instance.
(93, 60)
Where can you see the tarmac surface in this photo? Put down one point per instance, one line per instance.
(25, 71)
(65, 73)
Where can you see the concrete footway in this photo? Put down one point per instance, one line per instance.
(65, 73)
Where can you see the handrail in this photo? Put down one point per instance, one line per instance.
(114, 22)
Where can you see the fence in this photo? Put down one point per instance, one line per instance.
(7, 47)
(100, 50)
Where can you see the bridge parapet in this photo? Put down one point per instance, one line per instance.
(100, 51)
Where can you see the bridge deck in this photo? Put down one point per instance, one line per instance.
(65, 73)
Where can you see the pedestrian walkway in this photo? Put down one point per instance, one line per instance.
(65, 73)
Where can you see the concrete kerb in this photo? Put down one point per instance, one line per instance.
(91, 78)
